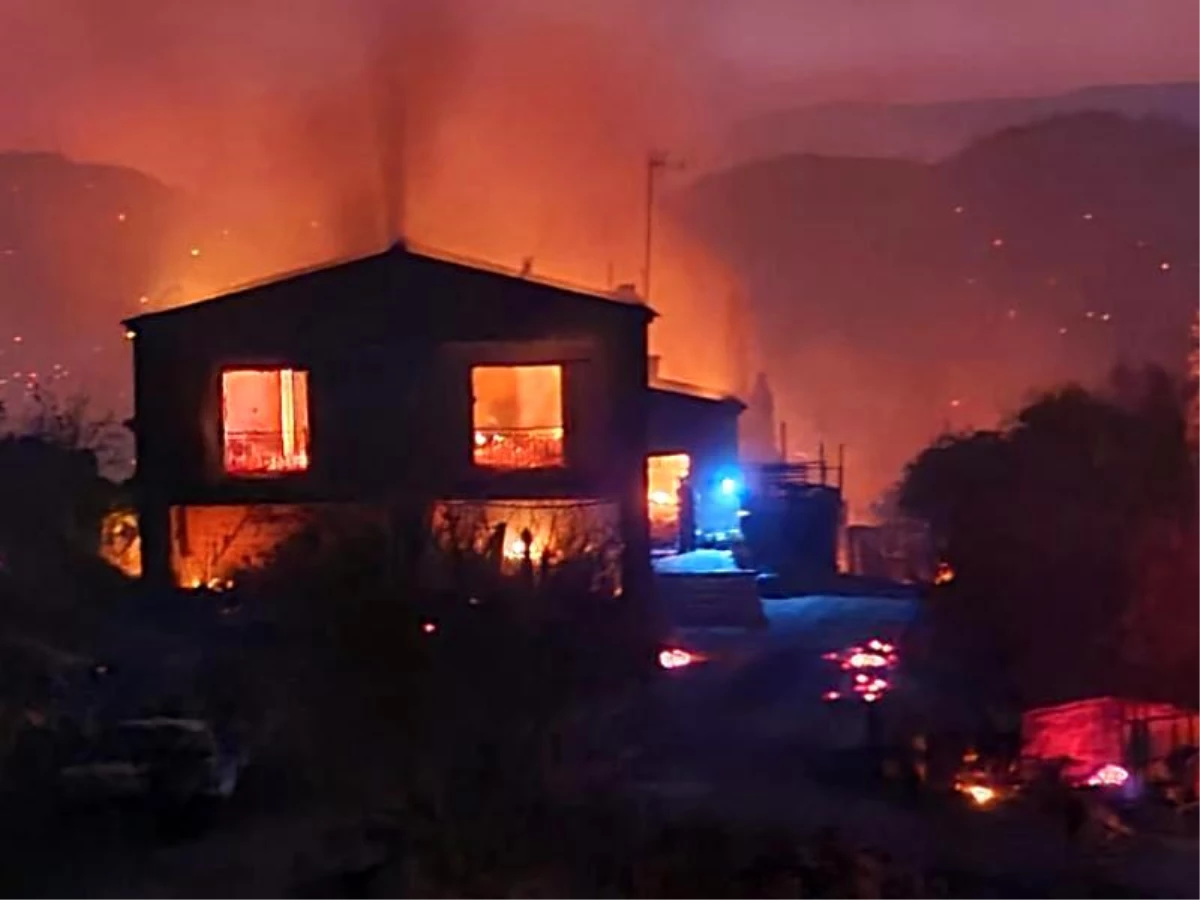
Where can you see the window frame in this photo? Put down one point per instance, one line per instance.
(267, 366)
(561, 366)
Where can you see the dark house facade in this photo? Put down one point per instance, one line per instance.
(398, 381)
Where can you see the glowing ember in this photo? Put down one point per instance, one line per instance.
(1110, 775)
(429, 627)
(675, 658)
(867, 661)
(830, 696)
(981, 794)
(944, 573)
(516, 548)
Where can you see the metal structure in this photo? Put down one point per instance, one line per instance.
(1194, 384)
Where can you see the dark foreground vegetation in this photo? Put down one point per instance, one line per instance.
(394, 739)
(1071, 533)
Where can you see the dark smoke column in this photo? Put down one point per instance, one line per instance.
(385, 71)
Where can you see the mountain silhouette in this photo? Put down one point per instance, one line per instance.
(932, 131)
(892, 299)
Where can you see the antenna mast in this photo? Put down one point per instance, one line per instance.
(655, 163)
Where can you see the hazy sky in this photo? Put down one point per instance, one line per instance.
(73, 71)
(54, 51)
(505, 130)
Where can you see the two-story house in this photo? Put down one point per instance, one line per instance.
(398, 381)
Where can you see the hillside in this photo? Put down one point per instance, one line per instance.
(83, 246)
(79, 245)
(892, 299)
(932, 131)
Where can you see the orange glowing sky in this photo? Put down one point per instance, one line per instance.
(521, 127)
(316, 129)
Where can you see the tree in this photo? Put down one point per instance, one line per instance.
(1069, 532)
(52, 501)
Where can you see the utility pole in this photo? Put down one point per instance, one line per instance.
(655, 163)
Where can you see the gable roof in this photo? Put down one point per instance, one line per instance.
(397, 262)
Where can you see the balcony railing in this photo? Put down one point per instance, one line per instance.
(265, 452)
(519, 448)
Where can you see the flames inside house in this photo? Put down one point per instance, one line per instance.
(264, 420)
(665, 476)
(540, 534)
(517, 416)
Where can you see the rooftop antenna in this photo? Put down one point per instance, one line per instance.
(656, 162)
(527, 267)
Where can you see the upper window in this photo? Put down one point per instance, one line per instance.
(264, 420)
(517, 416)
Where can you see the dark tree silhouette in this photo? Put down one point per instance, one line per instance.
(1072, 533)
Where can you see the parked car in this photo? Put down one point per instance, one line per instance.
(168, 761)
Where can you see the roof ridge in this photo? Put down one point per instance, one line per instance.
(410, 251)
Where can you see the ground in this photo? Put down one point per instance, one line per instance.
(747, 735)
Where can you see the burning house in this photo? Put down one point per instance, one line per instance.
(693, 448)
(398, 382)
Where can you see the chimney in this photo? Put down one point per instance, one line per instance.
(627, 293)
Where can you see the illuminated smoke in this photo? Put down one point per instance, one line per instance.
(504, 132)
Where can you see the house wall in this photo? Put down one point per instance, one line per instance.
(706, 430)
(395, 416)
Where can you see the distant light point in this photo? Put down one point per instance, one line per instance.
(120, 217)
(195, 251)
(959, 209)
(1087, 217)
(1062, 330)
(997, 242)
(1165, 266)
(1106, 317)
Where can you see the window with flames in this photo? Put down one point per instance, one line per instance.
(517, 416)
(264, 421)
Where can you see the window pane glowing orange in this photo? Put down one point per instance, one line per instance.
(664, 473)
(264, 419)
(517, 416)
